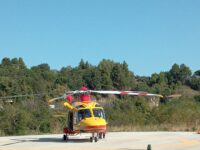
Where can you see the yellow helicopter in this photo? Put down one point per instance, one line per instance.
(87, 116)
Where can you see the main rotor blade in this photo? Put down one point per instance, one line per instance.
(57, 98)
(25, 95)
(134, 93)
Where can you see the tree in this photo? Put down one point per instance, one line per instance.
(83, 65)
(195, 83)
(105, 68)
(197, 73)
(6, 61)
(180, 73)
(92, 78)
(116, 76)
(185, 73)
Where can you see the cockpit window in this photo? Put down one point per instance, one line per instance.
(98, 113)
(83, 113)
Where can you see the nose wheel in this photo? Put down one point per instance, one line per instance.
(94, 137)
(101, 135)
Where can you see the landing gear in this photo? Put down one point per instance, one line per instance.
(94, 137)
(65, 137)
(91, 139)
(101, 135)
(104, 135)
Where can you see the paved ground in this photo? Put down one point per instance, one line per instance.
(113, 141)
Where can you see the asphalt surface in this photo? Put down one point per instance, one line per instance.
(113, 141)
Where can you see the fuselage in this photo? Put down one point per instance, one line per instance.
(88, 117)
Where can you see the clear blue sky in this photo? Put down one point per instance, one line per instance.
(150, 35)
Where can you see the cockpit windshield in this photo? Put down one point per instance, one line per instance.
(83, 113)
(98, 113)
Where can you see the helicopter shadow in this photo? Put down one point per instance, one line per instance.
(60, 140)
(46, 140)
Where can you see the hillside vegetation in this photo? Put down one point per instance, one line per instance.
(31, 114)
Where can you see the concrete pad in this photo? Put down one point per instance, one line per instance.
(113, 141)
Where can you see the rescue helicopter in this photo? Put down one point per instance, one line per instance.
(88, 116)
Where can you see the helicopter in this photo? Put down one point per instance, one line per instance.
(86, 115)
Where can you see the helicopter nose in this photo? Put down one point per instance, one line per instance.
(95, 123)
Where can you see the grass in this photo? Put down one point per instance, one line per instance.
(162, 127)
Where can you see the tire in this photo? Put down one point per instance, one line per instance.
(95, 139)
(64, 137)
(91, 139)
(104, 135)
(100, 135)
(67, 138)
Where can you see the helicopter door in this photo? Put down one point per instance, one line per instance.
(76, 122)
(70, 120)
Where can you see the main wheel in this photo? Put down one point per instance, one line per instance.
(91, 139)
(104, 135)
(64, 137)
(100, 135)
(96, 139)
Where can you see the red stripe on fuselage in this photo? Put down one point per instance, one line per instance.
(102, 127)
